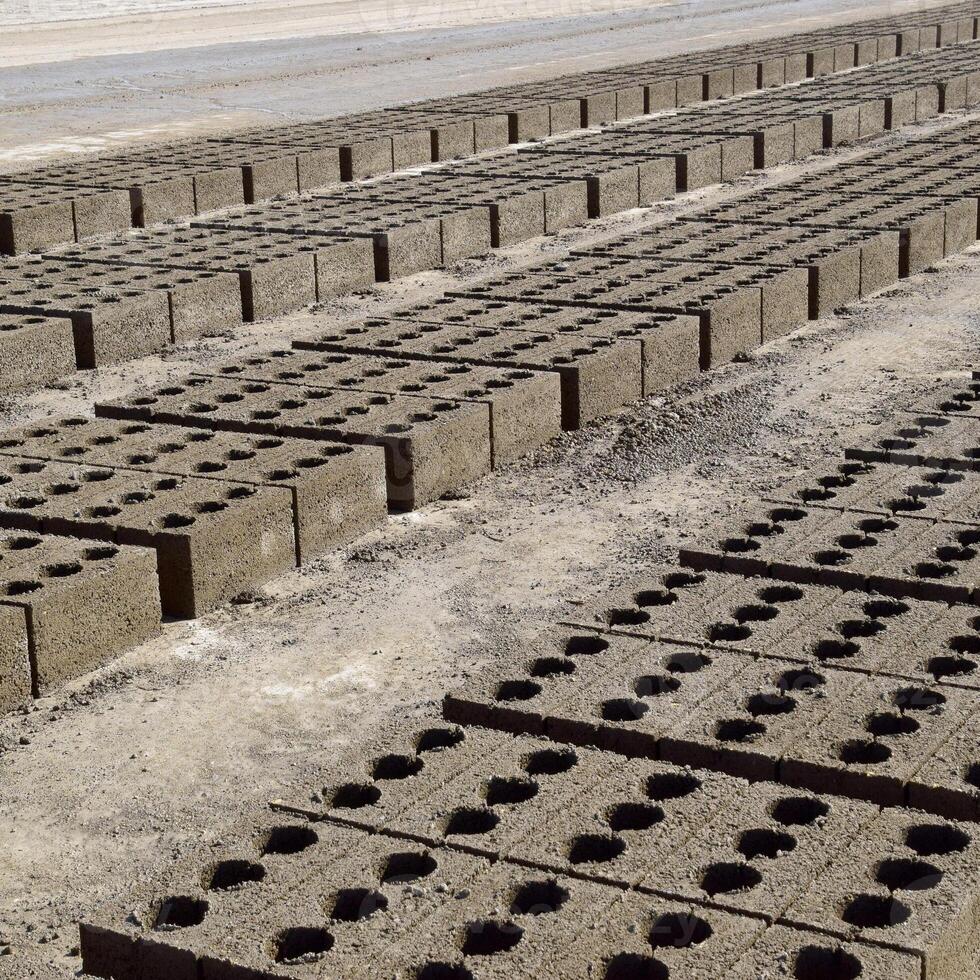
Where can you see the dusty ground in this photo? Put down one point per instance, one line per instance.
(147, 78)
(186, 737)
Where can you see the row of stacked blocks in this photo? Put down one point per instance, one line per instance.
(73, 201)
(129, 295)
(315, 443)
(713, 772)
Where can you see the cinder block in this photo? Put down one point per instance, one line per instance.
(659, 96)
(900, 109)
(338, 491)
(697, 159)
(875, 634)
(841, 126)
(452, 140)
(844, 56)
(752, 726)
(928, 36)
(751, 615)
(670, 342)
(909, 884)
(947, 785)
(583, 695)
(879, 736)
(947, 32)
(899, 557)
(277, 274)
(34, 218)
(796, 67)
(746, 77)
(719, 83)
(267, 170)
(630, 102)
(107, 326)
(771, 72)
(429, 449)
(820, 61)
(200, 301)
(782, 291)
(730, 313)
(161, 200)
(598, 109)
(690, 89)
(37, 217)
(946, 442)
(83, 602)
(529, 123)
(760, 855)
(564, 115)
(920, 223)
(216, 188)
(643, 935)
(401, 247)
(815, 954)
(366, 158)
(952, 93)
(212, 540)
(908, 41)
(598, 374)
(524, 406)
(888, 489)
(807, 136)
(100, 212)
(516, 206)
(34, 350)
(958, 398)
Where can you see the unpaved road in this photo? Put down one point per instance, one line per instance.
(186, 737)
(202, 71)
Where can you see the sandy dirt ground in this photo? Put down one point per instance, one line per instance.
(111, 84)
(190, 735)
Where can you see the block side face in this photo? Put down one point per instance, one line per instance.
(15, 667)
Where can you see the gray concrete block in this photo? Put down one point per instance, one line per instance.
(599, 374)
(212, 541)
(644, 935)
(107, 326)
(276, 273)
(751, 727)
(200, 302)
(879, 736)
(34, 218)
(804, 954)
(947, 784)
(923, 439)
(670, 343)
(524, 406)
(759, 856)
(15, 667)
(730, 312)
(34, 350)
(429, 449)
(899, 557)
(909, 884)
(83, 604)
(338, 491)
(888, 488)
(958, 398)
